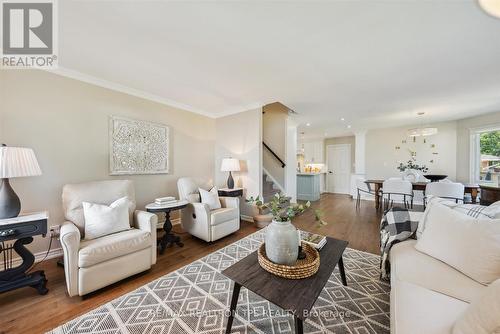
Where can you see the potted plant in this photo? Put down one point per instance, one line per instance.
(263, 218)
(282, 239)
(411, 167)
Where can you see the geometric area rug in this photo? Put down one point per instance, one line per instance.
(196, 298)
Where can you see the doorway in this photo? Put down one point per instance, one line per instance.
(338, 158)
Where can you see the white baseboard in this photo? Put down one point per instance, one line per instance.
(53, 253)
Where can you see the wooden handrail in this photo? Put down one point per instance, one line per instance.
(275, 155)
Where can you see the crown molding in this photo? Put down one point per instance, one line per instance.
(238, 110)
(66, 72)
(76, 75)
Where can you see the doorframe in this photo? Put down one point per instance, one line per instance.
(328, 167)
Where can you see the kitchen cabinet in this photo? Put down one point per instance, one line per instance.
(308, 186)
(313, 152)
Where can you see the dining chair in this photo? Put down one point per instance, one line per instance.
(363, 187)
(449, 190)
(397, 189)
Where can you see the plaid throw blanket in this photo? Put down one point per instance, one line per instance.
(398, 224)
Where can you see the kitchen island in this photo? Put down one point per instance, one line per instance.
(308, 187)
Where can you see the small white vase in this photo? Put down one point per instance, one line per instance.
(282, 242)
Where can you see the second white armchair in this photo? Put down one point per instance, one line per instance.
(201, 222)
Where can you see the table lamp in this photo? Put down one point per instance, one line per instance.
(14, 162)
(230, 165)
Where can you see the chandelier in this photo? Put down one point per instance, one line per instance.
(422, 131)
(417, 132)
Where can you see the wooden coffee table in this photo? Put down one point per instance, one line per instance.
(295, 296)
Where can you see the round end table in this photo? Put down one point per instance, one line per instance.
(168, 238)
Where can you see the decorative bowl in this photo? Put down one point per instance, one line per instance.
(435, 177)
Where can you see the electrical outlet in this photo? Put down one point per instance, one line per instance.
(55, 231)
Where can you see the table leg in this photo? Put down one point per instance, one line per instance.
(299, 328)
(168, 238)
(377, 196)
(232, 307)
(342, 271)
(473, 195)
(17, 277)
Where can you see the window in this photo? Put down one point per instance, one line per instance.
(485, 156)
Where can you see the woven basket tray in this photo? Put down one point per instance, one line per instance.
(302, 268)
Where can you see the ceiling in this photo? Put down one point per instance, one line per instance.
(373, 63)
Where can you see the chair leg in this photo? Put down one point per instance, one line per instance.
(357, 201)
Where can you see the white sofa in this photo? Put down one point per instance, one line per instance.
(92, 264)
(197, 218)
(427, 295)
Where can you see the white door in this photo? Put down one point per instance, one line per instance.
(338, 178)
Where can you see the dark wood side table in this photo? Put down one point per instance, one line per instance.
(21, 229)
(168, 238)
(489, 194)
(296, 296)
(226, 192)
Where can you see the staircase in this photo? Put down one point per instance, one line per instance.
(269, 187)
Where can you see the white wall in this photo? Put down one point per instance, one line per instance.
(463, 141)
(66, 123)
(382, 157)
(240, 136)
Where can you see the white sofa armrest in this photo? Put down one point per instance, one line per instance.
(147, 221)
(230, 202)
(196, 220)
(70, 242)
(201, 209)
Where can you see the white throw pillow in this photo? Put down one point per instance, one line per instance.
(101, 220)
(472, 210)
(211, 198)
(469, 245)
(482, 316)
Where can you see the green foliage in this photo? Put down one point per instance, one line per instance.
(282, 211)
(412, 165)
(490, 143)
(318, 214)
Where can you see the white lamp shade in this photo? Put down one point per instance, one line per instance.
(18, 162)
(491, 7)
(230, 165)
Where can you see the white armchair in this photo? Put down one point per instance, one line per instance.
(197, 218)
(92, 264)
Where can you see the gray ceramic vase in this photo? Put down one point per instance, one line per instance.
(282, 242)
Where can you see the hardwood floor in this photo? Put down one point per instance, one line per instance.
(24, 311)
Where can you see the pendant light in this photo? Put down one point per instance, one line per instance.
(422, 131)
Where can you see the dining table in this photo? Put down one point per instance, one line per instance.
(472, 189)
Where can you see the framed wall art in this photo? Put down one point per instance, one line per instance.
(138, 147)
